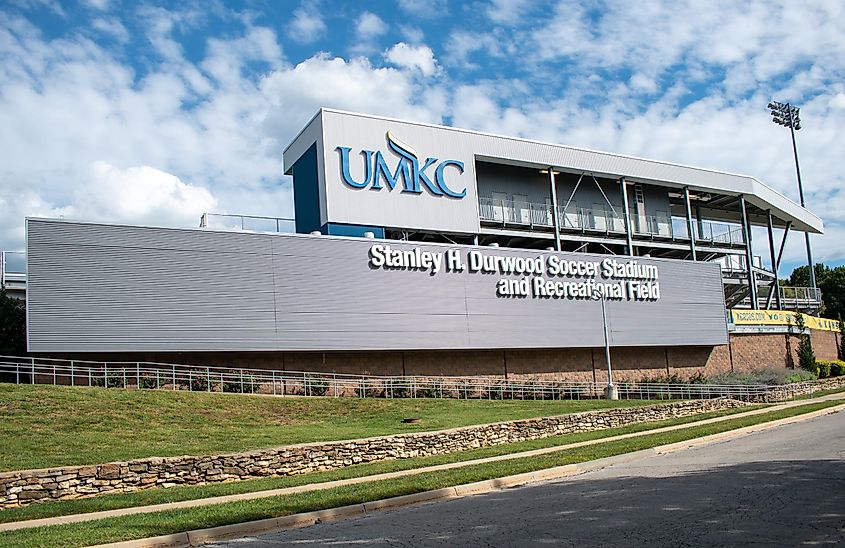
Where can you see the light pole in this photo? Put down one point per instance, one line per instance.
(789, 116)
(610, 391)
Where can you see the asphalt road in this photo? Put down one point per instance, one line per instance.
(780, 487)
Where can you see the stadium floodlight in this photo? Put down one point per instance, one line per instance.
(789, 116)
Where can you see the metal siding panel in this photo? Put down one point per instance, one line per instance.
(115, 288)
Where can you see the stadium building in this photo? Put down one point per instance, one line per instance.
(424, 249)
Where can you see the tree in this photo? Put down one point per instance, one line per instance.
(831, 281)
(12, 325)
(806, 355)
(841, 349)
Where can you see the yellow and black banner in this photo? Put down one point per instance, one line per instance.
(779, 317)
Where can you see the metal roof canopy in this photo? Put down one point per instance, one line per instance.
(537, 154)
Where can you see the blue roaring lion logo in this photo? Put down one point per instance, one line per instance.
(413, 175)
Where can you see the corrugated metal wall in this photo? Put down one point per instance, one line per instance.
(102, 288)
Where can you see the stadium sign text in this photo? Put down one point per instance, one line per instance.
(543, 276)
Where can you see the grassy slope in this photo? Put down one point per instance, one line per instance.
(44, 426)
(193, 492)
(129, 527)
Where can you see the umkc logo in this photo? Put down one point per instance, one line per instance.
(413, 174)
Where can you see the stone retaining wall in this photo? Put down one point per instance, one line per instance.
(21, 488)
(790, 391)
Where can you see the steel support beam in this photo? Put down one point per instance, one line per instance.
(780, 255)
(627, 216)
(749, 258)
(555, 218)
(774, 264)
(690, 229)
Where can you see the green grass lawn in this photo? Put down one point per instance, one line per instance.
(193, 492)
(146, 525)
(45, 426)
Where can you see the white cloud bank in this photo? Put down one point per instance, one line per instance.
(84, 136)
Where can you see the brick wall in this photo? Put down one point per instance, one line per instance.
(746, 352)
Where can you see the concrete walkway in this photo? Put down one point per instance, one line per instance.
(77, 518)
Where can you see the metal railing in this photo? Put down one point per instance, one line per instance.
(164, 376)
(663, 225)
(247, 223)
(12, 267)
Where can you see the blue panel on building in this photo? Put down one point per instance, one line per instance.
(306, 196)
(337, 229)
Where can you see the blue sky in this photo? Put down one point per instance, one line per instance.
(149, 112)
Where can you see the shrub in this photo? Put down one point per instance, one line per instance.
(148, 382)
(837, 368)
(12, 325)
(824, 368)
(495, 392)
(115, 380)
(234, 385)
(800, 376)
(317, 385)
(368, 390)
(431, 389)
(841, 349)
(397, 389)
(806, 355)
(199, 384)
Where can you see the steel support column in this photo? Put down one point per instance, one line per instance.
(801, 196)
(749, 259)
(774, 263)
(555, 219)
(627, 216)
(690, 228)
(780, 255)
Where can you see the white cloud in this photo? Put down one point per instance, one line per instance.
(507, 12)
(412, 34)
(307, 24)
(142, 195)
(101, 5)
(76, 119)
(425, 9)
(112, 27)
(369, 25)
(77, 125)
(356, 85)
(461, 44)
(412, 57)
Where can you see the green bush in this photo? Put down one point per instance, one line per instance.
(395, 388)
(148, 382)
(318, 385)
(431, 389)
(115, 380)
(824, 368)
(806, 355)
(837, 368)
(799, 376)
(234, 384)
(841, 349)
(368, 390)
